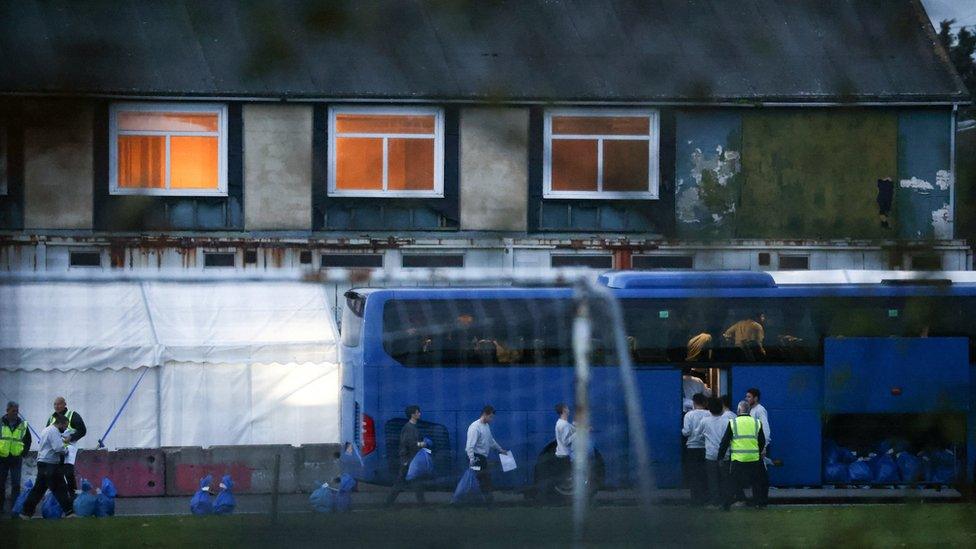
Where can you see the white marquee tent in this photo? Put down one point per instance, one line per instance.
(217, 363)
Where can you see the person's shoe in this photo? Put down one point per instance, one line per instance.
(23, 517)
(739, 504)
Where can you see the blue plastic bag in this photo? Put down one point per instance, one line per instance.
(836, 473)
(18, 507)
(323, 498)
(839, 454)
(886, 470)
(351, 461)
(468, 489)
(343, 501)
(860, 471)
(910, 467)
(429, 444)
(86, 503)
(224, 503)
(421, 466)
(941, 467)
(200, 503)
(105, 506)
(50, 508)
(347, 483)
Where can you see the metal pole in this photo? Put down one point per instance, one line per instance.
(276, 475)
(582, 329)
(635, 419)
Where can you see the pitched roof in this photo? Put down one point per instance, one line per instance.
(482, 50)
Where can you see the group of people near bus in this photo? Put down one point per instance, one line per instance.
(725, 451)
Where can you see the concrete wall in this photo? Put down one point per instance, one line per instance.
(494, 169)
(58, 173)
(277, 167)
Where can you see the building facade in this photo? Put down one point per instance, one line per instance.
(399, 135)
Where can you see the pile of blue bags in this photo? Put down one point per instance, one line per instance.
(891, 463)
(18, 507)
(333, 499)
(86, 502)
(202, 502)
(105, 505)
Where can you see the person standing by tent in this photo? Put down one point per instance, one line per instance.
(479, 443)
(50, 454)
(410, 443)
(15, 439)
(78, 430)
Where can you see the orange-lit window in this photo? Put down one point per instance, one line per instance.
(601, 154)
(168, 149)
(387, 152)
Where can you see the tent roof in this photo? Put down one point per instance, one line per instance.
(115, 325)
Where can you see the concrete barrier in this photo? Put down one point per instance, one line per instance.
(134, 472)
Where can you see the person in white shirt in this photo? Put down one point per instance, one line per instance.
(713, 429)
(758, 412)
(694, 462)
(565, 432)
(690, 386)
(479, 444)
(49, 473)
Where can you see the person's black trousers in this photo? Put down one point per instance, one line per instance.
(695, 475)
(49, 476)
(401, 484)
(69, 479)
(753, 474)
(717, 474)
(10, 466)
(484, 477)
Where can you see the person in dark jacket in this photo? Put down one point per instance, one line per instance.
(15, 440)
(78, 430)
(410, 443)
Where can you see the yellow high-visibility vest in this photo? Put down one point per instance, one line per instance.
(745, 439)
(12, 440)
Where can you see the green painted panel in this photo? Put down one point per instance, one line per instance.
(813, 174)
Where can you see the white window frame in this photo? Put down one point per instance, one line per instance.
(438, 113)
(653, 154)
(220, 109)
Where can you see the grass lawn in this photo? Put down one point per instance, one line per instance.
(793, 526)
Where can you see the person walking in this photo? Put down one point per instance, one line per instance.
(694, 462)
(410, 443)
(478, 445)
(565, 436)
(745, 439)
(713, 429)
(758, 411)
(77, 432)
(15, 439)
(50, 454)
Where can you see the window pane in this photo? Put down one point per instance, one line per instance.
(359, 164)
(193, 163)
(573, 165)
(168, 121)
(384, 123)
(624, 165)
(601, 125)
(142, 162)
(410, 165)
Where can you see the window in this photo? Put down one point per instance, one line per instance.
(432, 261)
(168, 149)
(582, 260)
(352, 261)
(386, 152)
(601, 154)
(219, 259)
(651, 262)
(3, 158)
(794, 262)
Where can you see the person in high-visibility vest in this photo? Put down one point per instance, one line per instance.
(744, 436)
(78, 430)
(15, 439)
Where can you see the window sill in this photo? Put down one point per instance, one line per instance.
(169, 193)
(583, 195)
(384, 194)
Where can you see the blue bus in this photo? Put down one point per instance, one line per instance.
(851, 364)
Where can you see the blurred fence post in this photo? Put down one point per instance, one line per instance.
(582, 329)
(274, 488)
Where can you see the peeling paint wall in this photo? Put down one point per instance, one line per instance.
(924, 177)
(813, 173)
(707, 182)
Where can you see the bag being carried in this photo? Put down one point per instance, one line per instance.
(224, 503)
(106, 499)
(468, 489)
(200, 503)
(421, 466)
(19, 503)
(86, 502)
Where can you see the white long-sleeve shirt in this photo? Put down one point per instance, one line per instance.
(759, 412)
(690, 428)
(565, 435)
(480, 440)
(713, 429)
(689, 386)
(51, 446)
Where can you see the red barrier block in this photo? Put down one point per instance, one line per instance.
(188, 476)
(134, 472)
